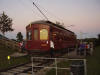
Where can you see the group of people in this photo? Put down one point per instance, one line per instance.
(85, 48)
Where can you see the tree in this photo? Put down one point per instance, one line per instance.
(19, 37)
(5, 23)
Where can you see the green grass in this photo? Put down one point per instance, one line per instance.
(62, 64)
(59, 72)
(13, 61)
(93, 63)
(4, 62)
(51, 72)
(4, 51)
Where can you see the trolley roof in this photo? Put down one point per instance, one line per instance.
(50, 23)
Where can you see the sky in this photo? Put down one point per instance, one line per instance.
(84, 15)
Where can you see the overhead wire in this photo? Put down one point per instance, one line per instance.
(40, 11)
(34, 4)
(48, 12)
(39, 8)
(29, 9)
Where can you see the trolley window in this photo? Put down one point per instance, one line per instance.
(35, 34)
(29, 35)
(43, 34)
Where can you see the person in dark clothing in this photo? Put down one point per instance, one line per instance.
(77, 49)
(82, 48)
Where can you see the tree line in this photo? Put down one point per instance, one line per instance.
(6, 26)
(96, 41)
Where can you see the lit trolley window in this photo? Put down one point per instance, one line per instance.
(43, 34)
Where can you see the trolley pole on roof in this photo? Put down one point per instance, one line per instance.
(40, 11)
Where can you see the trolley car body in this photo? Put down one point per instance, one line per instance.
(39, 34)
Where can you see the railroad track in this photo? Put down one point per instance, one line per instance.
(19, 70)
(26, 69)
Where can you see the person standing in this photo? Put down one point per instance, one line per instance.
(20, 46)
(91, 48)
(87, 49)
(78, 49)
(51, 48)
(82, 48)
(23, 46)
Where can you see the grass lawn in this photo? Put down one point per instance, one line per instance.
(93, 65)
(4, 63)
(93, 62)
(60, 72)
(62, 64)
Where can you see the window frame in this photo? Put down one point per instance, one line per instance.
(37, 35)
(29, 37)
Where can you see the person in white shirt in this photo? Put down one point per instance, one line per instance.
(51, 48)
(51, 44)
